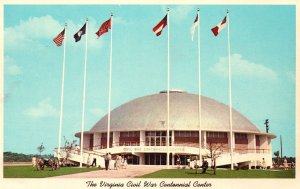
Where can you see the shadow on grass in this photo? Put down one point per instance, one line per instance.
(177, 173)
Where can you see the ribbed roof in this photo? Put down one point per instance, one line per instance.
(149, 112)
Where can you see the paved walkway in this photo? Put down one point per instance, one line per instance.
(130, 172)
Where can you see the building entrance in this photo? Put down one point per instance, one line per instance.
(157, 159)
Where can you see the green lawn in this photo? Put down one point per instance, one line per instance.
(189, 173)
(31, 172)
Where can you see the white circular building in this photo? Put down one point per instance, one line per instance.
(138, 130)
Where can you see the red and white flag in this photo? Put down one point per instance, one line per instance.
(104, 27)
(58, 40)
(195, 24)
(160, 26)
(216, 30)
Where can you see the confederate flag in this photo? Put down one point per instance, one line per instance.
(160, 26)
(216, 30)
(104, 27)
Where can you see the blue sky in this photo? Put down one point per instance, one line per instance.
(263, 57)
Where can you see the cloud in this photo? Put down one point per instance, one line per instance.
(11, 68)
(120, 21)
(30, 30)
(179, 12)
(11, 89)
(31, 33)
(42, 109)
(243, 68)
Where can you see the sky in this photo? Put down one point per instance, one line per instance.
(263, 63)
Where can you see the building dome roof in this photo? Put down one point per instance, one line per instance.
(150, 113)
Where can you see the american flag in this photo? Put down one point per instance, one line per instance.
(58, 40)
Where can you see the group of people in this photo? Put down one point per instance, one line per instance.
(118, 163)
(284, 165)
(193, 164)
(110, 163)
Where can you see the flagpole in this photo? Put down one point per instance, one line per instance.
(168, 93)
(83, 96)
(199, 88)
(109, 90)
(62, 93)
(230, 101)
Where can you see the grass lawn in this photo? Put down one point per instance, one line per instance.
(31, 172)
(189, 173)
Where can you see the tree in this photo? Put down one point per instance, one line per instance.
(276, 154)
(41, 148)
(214, 150)
(67, 150)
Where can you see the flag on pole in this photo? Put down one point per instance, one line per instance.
(80, 33)
(160, 26)
(104, 27)
(58, 40)
(216, 30)
(195, 24)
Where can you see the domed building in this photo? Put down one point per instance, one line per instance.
(138, 131)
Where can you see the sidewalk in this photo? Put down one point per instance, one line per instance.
(130, 172)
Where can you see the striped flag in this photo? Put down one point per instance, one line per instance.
(160, 26)
(216, 30)
(195, 24)
(58, 40)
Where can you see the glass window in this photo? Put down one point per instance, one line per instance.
(240, 136)
(216, 135)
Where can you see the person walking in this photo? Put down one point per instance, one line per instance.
(110, 162)
(125, 163)
(204, 166)
(264, 166)
(106, 161)
(94, 161)
(285, 164)
(118, 162)
(178, 162)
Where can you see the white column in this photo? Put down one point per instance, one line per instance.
(86, 141)
(173, 158)
(263, 142)
(142, 138)
(173, 138)
(251, 143)
(204, 139)
(231, 142)
(142, 158)
(97, 140)
(116, 138)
